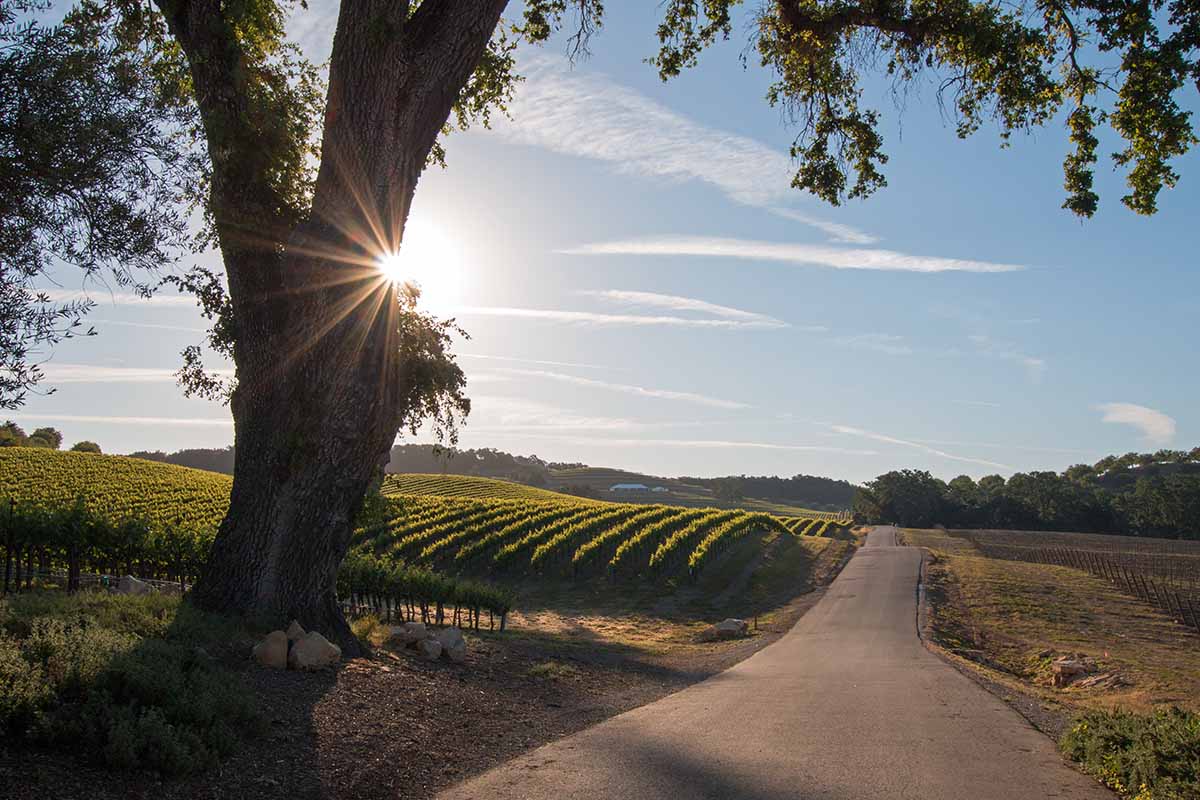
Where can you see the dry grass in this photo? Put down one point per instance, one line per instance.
(1004, 614)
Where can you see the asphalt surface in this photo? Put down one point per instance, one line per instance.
(848, 704)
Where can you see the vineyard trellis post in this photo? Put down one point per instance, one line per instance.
(1195, 618)
(9, 536)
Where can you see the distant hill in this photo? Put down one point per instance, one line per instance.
(1123, 479)
(466, 486)
(810, 490)
(218, 459)
(484, 462)
(599, 482)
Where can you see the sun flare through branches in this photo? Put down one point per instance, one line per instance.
(427, 261)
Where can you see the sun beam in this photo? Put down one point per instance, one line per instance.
(428, 260)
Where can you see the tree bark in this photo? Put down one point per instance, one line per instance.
(321, 388)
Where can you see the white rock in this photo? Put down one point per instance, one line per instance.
(430, 649)
(732, 628)
(313, 652)
(295, 631)
(453, 644)
(409, 633)
(131, 585)
(272, 651)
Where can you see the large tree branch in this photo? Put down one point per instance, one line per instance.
(393, 82)
(824, 23)
(217, 65)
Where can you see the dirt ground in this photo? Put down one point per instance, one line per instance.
(1007, 620)
(395, 726)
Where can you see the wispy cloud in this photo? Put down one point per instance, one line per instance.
(537, 361)
(703, 444)
(1157, 428)
(147, 325)
(916, 445)
(799, 254)
(590, 116)
(92, 373)
(978, 403)
(888, 343)
(1005, 446)
(524, 414)
(640, 391)
(1005, 351)
(615, 320)
(842, 234)
(107, 420)
(676, 303)
(105, 297)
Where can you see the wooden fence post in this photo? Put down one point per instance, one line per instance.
(1195, 619)
(10, 535)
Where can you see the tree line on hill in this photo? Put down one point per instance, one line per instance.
(485, 462)
(213, 459)
(1138, 494)
(12, 435)
(809, 490)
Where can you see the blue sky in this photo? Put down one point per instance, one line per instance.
(643, 290)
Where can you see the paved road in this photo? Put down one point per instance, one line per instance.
(848, 704)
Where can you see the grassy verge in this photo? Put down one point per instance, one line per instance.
(1137, 732)
(130, 682)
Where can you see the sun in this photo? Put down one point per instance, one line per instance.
(428, 260)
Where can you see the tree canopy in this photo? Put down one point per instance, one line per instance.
(93, 176)
(1147, 494)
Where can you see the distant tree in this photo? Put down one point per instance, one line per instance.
(913, 498)
(580, 490)
(46, 437)
(1168, 507)
(11, 435)
(216, 459)
(728, 489)
(85, 447)
(989, 487)
(963, 491)
(1080, 473)
(149, 455)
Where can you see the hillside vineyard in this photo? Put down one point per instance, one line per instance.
(130, 515)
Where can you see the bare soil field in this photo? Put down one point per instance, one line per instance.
(1011, 618)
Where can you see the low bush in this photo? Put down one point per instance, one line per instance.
(1147, 757)
(369, 630)
(125, 681)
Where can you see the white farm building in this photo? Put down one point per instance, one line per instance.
(635, 487)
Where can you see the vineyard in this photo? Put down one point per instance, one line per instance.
(1162, 572)
(568, 536)
(429, 544)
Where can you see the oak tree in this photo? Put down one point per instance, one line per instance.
(307, 184)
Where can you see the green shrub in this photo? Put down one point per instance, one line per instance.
(1150, 757)
(150, 699)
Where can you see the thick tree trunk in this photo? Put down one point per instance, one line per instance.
(321, 387)
(310, 439)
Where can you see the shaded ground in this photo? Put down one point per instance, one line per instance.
(398, 727)
(1003, 619)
